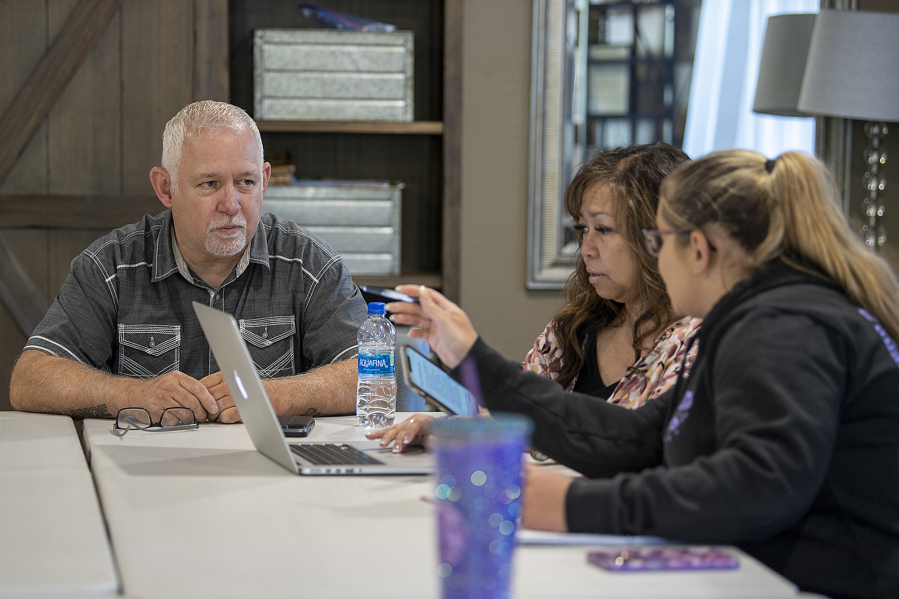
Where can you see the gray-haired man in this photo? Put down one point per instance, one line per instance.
(122, 332)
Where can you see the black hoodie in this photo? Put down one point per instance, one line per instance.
(783, 440)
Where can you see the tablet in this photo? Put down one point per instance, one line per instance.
(436, 386)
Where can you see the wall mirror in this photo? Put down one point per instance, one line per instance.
(604, 74)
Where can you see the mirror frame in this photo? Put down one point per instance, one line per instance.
(550, 260)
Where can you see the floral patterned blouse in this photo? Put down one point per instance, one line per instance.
(652, 375)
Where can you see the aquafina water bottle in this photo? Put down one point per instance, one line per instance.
(376, 389)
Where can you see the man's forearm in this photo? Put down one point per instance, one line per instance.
(326, 391)
(44, 383)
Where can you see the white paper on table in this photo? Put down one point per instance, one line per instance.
(538, 537)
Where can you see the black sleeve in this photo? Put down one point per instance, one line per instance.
(777, 384)
(589, 435)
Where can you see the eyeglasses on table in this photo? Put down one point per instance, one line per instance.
(172, 419)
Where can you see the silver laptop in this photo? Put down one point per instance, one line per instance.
(304, 457)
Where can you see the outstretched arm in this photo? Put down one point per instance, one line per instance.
(45, 383)
(570, 427)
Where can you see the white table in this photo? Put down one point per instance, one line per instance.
(202, 514)
(52, 536)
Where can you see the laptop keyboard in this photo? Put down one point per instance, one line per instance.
(332, 454)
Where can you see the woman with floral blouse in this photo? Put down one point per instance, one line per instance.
(616, 337)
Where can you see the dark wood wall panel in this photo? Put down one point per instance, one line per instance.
(84, 127)
(13, 341)
(31, 248)
(157, 81)
(211, 78)
(23, 40)
(85, 171)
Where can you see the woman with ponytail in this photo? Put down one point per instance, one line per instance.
(784, 438)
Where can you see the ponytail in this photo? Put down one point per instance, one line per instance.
(786, 208)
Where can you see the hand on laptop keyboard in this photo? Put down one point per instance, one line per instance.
(409, 432)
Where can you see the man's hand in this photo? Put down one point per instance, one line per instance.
(44, 383)
(175, 389)
(218, 388)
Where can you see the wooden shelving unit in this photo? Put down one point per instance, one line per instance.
(373, 127)
(413, 278)
(423, 154)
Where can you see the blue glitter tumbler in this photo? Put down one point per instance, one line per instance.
(478, 491)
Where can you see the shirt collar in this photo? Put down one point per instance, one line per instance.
(185, 270)
(164, 264)
(259, 245)
(169, 260)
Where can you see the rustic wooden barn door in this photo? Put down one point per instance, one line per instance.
(89, 85)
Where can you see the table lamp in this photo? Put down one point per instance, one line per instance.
(783, 64)
(852, 71)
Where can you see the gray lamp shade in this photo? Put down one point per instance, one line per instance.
(783, 64)
(852, 69)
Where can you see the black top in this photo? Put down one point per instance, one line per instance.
(589, 380)
(783, 440)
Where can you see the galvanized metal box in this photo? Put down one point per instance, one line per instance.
(330, 75)
(360, 220)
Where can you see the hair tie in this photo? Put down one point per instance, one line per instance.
(769, 166)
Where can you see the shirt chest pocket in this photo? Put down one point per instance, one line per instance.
(270, 341)
(147, 351)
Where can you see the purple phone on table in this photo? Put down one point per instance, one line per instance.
(664, 558)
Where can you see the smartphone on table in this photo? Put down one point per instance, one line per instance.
(296, 426)
(647, 559)
(388, 294)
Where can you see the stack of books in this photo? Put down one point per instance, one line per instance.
(282, 174)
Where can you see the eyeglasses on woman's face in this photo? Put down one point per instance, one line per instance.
(654, 238)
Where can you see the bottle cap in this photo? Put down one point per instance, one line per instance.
(376, 308)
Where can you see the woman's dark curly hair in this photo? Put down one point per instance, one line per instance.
(634, 175)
